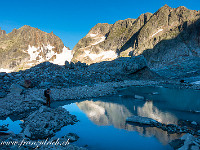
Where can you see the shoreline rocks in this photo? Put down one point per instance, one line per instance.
(170, 128)
(186, 142)
(43, 123)
(142, 120)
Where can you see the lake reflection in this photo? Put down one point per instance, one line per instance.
(111, 113)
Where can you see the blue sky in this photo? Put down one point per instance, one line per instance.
(72, 20)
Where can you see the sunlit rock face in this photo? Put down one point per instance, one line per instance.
(2, 32)
(27, 46)
(115, 113)
(104, 41)
(88, 49)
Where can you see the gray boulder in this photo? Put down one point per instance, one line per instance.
(45, 84)
(139, 97)
(44, 122)
(2, 74)
(16, 89)
(186, 142)
(134, 64)
(2, 94)
(141, 120)
(4, 128)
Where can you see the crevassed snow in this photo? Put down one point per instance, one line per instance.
(62, 57)
(5, 70)
(105, 54)
(157, 32)
(101, 40)
(92, 35)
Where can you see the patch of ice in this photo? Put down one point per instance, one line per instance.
(92, 35)
(157, 32)
(5, 70)
(104, 55)
(62, 57)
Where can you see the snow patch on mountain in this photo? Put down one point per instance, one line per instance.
(157, 32)
(45, 53)
(104, 55)
(33, 52)
(92, 35)
(101, 40)
(5, 70)
(66, 55)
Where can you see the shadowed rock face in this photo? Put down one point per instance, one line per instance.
(28, 44)
(161, 37)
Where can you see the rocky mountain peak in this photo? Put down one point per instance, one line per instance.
(28, 46)
(110, 38)
(162, 37)
(2, 32)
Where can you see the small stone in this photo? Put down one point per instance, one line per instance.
(194, 123)
(155, 93)
(139, 97)
(2, 94)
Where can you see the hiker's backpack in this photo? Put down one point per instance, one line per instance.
(45, 93)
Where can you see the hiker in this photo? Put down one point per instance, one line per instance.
(47, 95)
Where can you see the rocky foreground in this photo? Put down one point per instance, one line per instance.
(22, 93)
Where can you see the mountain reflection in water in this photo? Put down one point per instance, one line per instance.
(111, 113)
